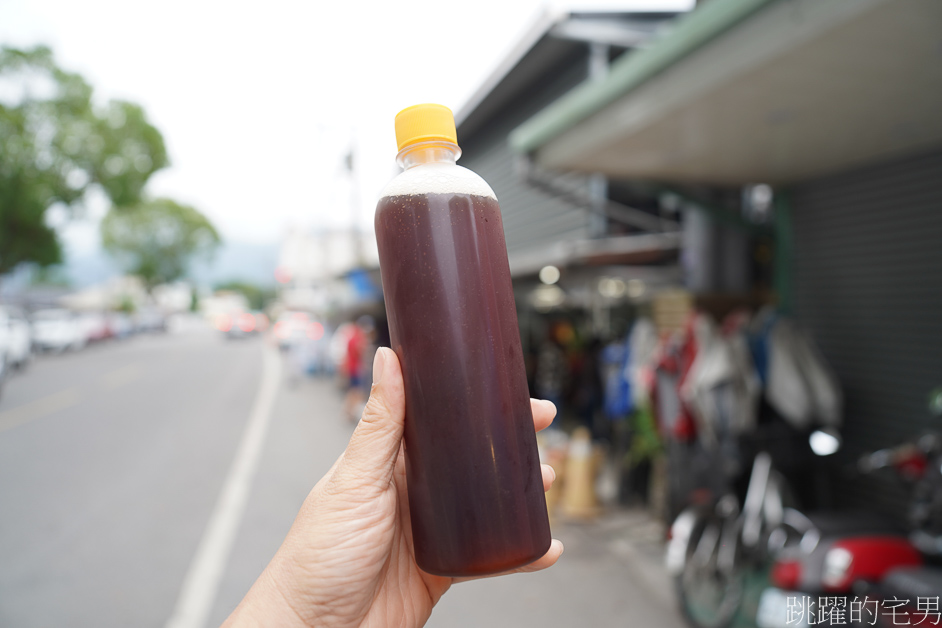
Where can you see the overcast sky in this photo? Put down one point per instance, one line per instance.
(259, 102)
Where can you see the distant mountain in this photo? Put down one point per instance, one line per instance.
(254, 263)
(242, 261)
(85, 269)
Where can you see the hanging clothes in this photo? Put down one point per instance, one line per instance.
(758, 336)
(618, 402)
(722, 389)
(800, 386)
(674, 358)
(642, 345)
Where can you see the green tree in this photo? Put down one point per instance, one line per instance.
(256, 295)
(56, 145)
(157, 239)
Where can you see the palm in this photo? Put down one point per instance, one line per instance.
(349, 561)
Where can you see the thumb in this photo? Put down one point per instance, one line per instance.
(371, 454)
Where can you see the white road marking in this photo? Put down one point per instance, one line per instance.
(205, 573)
(39, 408)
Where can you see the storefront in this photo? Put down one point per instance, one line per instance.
(585, 256)
(835, 105)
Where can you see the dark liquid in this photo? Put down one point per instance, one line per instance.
(475, 486)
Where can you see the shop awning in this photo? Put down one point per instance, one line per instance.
(654, 248)
(744, 91)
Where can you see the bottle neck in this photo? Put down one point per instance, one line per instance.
(428, 153)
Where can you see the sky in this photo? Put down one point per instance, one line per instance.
(260, 102)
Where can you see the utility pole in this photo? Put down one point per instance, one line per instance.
(350, 163)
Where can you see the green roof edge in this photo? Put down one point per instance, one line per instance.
(691, 31)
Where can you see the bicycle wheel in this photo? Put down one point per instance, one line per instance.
(709, 592)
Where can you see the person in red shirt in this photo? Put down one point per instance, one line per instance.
(357, 346)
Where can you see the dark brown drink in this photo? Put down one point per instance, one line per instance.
(475, 486)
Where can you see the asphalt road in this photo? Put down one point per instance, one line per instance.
(117, 463)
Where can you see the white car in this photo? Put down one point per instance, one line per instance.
(121, 325)
(150, 320)
(4, 354)
(57, 330)
(19, 337)
(291, 328)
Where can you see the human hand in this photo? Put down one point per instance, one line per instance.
(348, 560)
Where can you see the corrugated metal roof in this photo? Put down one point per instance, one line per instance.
(555, 36)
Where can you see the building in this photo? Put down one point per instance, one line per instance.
(836, 105)
(330, 273)
(590, 228)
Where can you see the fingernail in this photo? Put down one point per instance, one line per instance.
(379, 363)
(554, 474)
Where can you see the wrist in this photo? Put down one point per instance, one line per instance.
(266, 604)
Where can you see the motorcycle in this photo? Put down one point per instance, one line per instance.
(715, 545)
(910, 594)
(854, 569)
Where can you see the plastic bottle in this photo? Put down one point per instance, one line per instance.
(474, 481)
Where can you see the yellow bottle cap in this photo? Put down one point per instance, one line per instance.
(425, 123)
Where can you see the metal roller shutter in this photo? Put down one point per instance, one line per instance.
(868, 286)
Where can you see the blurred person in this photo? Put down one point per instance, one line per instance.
(358, 344)
(338, 351)
(371, 344)
(587, 389)
(300, 358)
(323, 360)
(552, 369)
(309, 353)
(348, 559)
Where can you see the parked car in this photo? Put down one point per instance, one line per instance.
(121, 325)
(150, 320)
(4, 350)
(95, 326)
(291, 328)
(261, 321)
(238, 324)
(57, 330)
(19, 337)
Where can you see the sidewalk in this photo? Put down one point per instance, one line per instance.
(611, 574)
